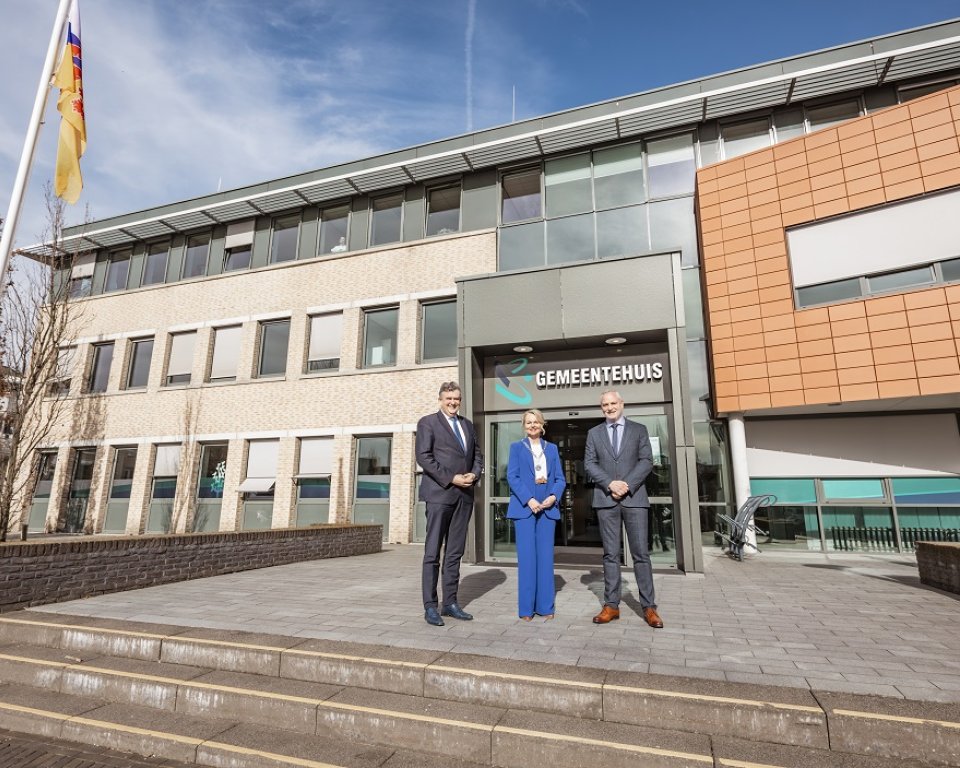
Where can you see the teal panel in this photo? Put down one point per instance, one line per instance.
(926, 490)
(861, 488)
(793, 490)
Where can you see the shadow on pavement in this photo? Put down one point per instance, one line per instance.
(476, 585)
(907, 581)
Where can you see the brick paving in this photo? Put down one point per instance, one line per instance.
(18, 750)
(848, 623)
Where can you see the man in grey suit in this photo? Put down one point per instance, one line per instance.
(448, 452)
(617, 460)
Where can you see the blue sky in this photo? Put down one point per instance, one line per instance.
(185, 96)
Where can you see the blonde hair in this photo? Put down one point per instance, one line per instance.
(538, 416)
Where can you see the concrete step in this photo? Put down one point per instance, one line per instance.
(517, 740)
(296, 682)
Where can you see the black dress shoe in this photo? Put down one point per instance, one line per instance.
(457, 612)
(431, 616)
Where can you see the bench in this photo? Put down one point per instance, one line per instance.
(739, 527)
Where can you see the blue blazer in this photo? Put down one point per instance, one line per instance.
(522, 479)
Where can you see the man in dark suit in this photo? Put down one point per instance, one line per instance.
(617, 460)
(448, 452)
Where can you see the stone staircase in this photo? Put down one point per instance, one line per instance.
(225, 698)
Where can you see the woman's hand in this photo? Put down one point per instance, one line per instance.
(549, 502)
(535, 506)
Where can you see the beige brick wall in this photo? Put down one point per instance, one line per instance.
(352, 401)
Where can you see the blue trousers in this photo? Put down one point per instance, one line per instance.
(535, 565)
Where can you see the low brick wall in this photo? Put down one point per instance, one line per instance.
(39, 572)
(939, 564)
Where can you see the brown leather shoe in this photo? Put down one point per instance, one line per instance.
(652, 618)
(607, 614)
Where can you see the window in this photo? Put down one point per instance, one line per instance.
(64, 371)
(274, 340)
(522, 246)
(840, 290)
(380, 337)
(521, 196)
(195, 259)
(163, 490)
(622, 232)
(313, 480)
(672, 225)
(181, 358)
(155, 264)
(333, 229)
(618, 176)
(79, 287)
(237, 258)
(443, 211)
(78, 495)
(438, 322)
(81, 275)
(831, 114)
(908, 93)
(326, 332)
(226, 353)
(257, 488)
(212, 475)
(567, 185)
(671, 166)
(118, 267)
(385, 224)
(371, 498)
(46, 468)
(140, 354)
(283, 245)
(118, 503)
(748, 136)
(570, 239)
(906, 278)
(100, 370)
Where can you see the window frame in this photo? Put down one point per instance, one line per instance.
(131, 362)
(271, 256)
(399, 196)
(124, 256)
(423, 335)
(367, 312)
(193, 351)
(146, 261)
(261, 346)
(428, 192)
(517, 171)
(96, 360)
(310, 332)
(206, 257)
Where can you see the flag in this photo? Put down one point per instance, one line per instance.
(73, 126)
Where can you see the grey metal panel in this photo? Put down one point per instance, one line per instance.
(388, 177)
(880, 98)
(234, 211)
(309, 233)
(113, 237)
(835, 81)
(579, 136)
(187, 221)
(504, 153)
(148, 229)
(282, 201)
(318, 193)
(414, 213)
(917, 36)
(479, 201)
(175, 261)
(135, 274)
(359, 223)
(741, 77)
(215, 257)
(99, 275)
(744, 100)
(493, 306)
(828, 57)
(260, 253)
(615, 296)
(923, 62)
(665, 117)
(442, 166)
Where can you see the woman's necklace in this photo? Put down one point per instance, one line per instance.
(537, 457)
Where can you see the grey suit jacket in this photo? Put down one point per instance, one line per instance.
(441, 457)
(632, 465)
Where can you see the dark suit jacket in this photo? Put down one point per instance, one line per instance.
(522, 478)
(632, 465)
(441, 457)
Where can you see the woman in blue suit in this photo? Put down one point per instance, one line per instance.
(536, 485)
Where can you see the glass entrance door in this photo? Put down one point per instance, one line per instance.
(578, 533)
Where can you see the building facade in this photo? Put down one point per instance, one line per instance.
(260, 357)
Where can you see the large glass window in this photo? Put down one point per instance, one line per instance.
(567, 185)
(212, 474)
(522, 246)
(439, 331)
(118, 502)
(829, 292)
(141, 351)
(371, 498)
(333, 229)
(380, 337)
(258, 487)
(226, 353)
(118, 267)
(63, 373)
(622, 232)
(40, 504)
(926, 490)
(748, 136)
(521, 196)
(443, 210)
(283, 245)
(155, 263)
(78, 496)
(671, 166)
(387, 219)
(195, 258)
(618, 176)
(570, 239)
(100, 370)
(274, 342)
(237, 258)
(895, 281)
(853, 489)
(673, 226)
(313, 480)
(163, 489)
(180, 366)
(326, 333)
(830, 114)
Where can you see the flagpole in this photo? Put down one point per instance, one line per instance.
(30, 144)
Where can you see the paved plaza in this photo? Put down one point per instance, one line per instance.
(850, 623)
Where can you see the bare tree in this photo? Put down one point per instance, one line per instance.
(37, 316)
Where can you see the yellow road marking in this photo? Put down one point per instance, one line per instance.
(272, 755)
(745, 764)
(608, 744)
(715, 699)
(896, 718)
(525, 678)
(193, 742)
(32, 711)
(76, 627)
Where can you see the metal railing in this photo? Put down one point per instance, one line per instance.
(883, 539)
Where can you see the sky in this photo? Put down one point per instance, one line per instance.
(185, 97)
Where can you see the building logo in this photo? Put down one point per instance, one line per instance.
(513, 389)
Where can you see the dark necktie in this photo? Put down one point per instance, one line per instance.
(456, 431)
(614, 439)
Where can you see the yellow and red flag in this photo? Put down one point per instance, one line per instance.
(73, 127)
